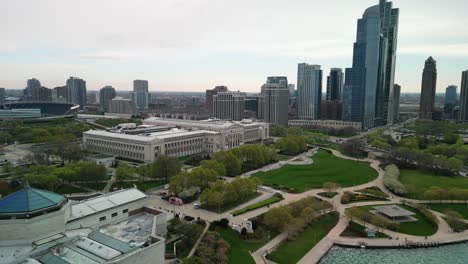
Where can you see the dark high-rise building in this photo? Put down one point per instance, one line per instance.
(251, 107)
(41, 94)
(368, 92)
(396, 102)
(2, 96)
(76, 91)
(274, 101)
(309, 91)
(106, 94)
(331, 110)
(60, 94)
(464, 97)
(210, 94)
(428, 89)
(450, 100)
(31, 84)
(335, 84)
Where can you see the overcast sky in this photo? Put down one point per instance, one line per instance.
(193, 45)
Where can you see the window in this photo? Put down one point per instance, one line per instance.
(102, 219)
(125, 211)
(114, 215)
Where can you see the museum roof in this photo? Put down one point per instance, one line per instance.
(28, 200)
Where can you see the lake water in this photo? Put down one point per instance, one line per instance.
(452, 254)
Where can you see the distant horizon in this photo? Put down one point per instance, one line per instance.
(196, 45)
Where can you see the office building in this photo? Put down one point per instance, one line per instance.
(428, 89)
(463, 116)
(292, 89)
(41, 94)
(140, 95)
(121, 105)
(31, 84)
(106, 94)
(368, 92)
(396, 102)
(60, 94)
(210, 94)
(331, 110)
(40, 226)
(450, 101)
(2, 96)
(76, 92)
(309, 91)
(335, 84)
(251, 107)
(229, 105)
(274, 101)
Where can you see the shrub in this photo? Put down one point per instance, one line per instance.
(392, 173)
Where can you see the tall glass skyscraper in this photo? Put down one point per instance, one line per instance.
(368, 93)
(309, 91)
(140, 95)
(335, 84)
(464, 98)
(76, 91)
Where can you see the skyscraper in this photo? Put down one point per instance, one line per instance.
(335, 84)
(274, 101)
(450, 100)
(120, 105)
(106, 94)
(292, 89)
(428, 89)
(229, 105)
(309, 91)
(210, 94)
(464, 97)
(396, 102)
(31, 84)
(60, 94)
(76, 91)
(140, 96)
(41, 94)
(368, 92)
(2, 96)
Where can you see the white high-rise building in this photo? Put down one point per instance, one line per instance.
(229, 105)
(309, 91)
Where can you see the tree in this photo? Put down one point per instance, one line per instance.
(455, 220)
(165, 167)
(233, 164)
(330, 186)
(8, 167)
(215, 166)
(277, 218)
(124, 172)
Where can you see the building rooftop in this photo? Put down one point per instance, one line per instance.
(105, 202)
(393, 211)
(29, 200)
(208, 124)
(135, 229)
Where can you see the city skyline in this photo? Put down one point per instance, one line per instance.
(239, 54)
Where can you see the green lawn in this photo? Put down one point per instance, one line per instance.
(293, 251)
(142, 186)
(422, 227)
(325, 168)
(93, 185)
(239, 252)
(356, 230)
(421, 181)
(229, 206)
(254, 206)
(460, 208)
(67, 189)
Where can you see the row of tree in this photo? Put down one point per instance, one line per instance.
(50, 177)
(245, 158)
(391, 180)
(222, 193)
(212, 250)
(294, 217)
(291, 145)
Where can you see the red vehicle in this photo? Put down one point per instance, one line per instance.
(176, 201)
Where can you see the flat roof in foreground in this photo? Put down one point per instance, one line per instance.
(393, 211)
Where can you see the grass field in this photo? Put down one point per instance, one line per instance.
(325, 168)
(460, 208)
(421, 181)
(293, 251)
(268, 201)
(239, 252)
(422, 227)
(356, 230)
(229, 206)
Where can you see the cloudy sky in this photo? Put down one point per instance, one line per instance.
(193, 45)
